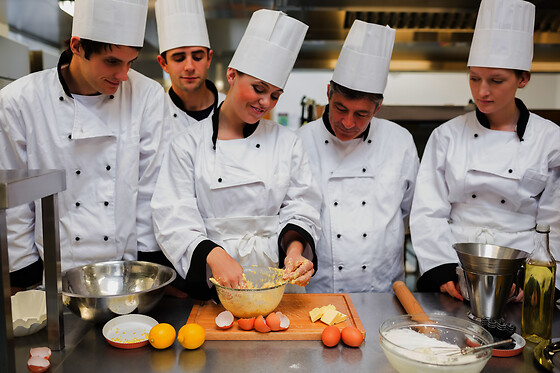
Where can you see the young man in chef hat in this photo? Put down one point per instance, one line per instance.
(366, 168)
(237, 189)
(488, 176)
(100, 121)
(185, 55)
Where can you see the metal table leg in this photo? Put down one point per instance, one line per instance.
(53, 279)
(7, 355)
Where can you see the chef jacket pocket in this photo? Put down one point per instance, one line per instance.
(532, 183)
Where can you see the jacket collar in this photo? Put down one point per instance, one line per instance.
(328, 126)
(179, 103)
(65, 59)
(247, 130)
(521, 122)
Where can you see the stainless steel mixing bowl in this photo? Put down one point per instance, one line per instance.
(100, 291)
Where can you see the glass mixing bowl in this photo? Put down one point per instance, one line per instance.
(405, 340)
(265, 292)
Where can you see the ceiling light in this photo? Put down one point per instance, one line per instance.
(67, 6)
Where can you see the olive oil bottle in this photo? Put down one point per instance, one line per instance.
(538, 290)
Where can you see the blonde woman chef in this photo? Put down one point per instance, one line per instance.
(237, 189)
(489, 175)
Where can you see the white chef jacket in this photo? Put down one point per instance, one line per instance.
(482, 185)
(367, 185)
(179, 119)
(240, 194)
(109, 147)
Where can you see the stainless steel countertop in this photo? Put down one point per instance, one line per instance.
(87, 351)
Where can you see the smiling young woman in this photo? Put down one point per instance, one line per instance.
(237, 189)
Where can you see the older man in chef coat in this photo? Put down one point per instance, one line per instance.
(185, 55)
(366, 168)
(100, 121)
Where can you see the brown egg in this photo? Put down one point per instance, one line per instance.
(246, 324)
(260, 325)
(273, 322)
(330, 336)
(352, 337)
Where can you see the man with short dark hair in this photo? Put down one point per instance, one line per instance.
(185, 55)
(100, 121)
(366, 168)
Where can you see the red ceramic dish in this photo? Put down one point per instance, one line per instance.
(516, 350)
(128, 331)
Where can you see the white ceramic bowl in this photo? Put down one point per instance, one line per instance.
(29, 312)
(404, 340)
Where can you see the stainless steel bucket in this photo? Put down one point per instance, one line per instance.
(490, 271)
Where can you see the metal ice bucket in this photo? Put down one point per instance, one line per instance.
(490, 271)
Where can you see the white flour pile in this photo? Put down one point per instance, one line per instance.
(426, 349)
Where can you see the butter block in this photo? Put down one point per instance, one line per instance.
(317, 312)
(329, 316)
(340, 317)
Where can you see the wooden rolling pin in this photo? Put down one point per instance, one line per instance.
(412, 307)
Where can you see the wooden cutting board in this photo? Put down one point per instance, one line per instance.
(295, 306)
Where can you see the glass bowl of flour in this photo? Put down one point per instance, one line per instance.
(432, 343)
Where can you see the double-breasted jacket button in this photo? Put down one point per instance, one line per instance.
(503, 201)
(108, 168)
(364, 266)
(365, 235)
(105, 238)
(219, 180)
(326, 141)
(106, 203)
(174, 115)
(61, 98)
(364, 170)
(70, 137)
(77, 238)
(111, 97)
(363, 203)
(340, 268)
(336, 203)
(77, 204)
(258, 146)
(338, 235)
(510, 170)
(476, 135)
(78, 172)
(473, 196)
(369, 141)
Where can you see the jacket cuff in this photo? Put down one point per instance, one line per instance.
(308, 240)
(196, 285)
(431, 280)
(27, 276)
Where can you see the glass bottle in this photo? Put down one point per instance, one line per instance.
(538, 290)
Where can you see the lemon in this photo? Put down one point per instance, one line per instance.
(191, 336)
(162, 335)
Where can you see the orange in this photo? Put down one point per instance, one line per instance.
(191, 336)
(162, 335)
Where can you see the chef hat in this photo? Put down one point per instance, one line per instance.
(181, 23)
(363, 64)
(120, 22)
(269, 47)
(503, 36)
